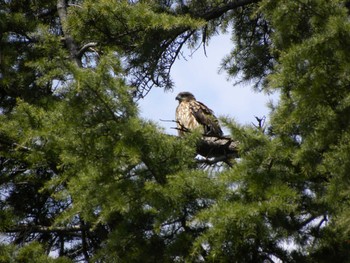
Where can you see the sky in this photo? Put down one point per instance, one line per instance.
(199, 74)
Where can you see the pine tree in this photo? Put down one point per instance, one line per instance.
(80, 171)
(85, 178)
(289, 192)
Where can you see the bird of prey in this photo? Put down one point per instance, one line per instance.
(192, 114)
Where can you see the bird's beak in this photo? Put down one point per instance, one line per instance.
(177, 98)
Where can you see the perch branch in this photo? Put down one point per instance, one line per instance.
(221, 148)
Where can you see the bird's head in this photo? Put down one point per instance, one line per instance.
(185, 96)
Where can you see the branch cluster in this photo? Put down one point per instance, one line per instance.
(216, 147)
(156, 72)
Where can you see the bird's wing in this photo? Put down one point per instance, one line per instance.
(205, 117)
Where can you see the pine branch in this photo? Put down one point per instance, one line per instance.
(5, 142)
(158, 73)
(222, 149)
(219, 11)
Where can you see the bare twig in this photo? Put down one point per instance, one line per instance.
(180, 127)
(46, 229)
(261, 123)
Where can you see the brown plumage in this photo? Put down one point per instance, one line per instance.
(192, 114)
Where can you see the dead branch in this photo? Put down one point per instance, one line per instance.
(261, 123)
(218, 147)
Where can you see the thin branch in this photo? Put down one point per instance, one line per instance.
(100, 98)
(324, 219)
(261, 123)
(168, 120)
(46, 229)
(4, 141)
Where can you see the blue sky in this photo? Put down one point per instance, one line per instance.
(200, 75)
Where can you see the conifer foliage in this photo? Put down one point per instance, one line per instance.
(84, 178)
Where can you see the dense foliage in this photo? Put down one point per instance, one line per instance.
(83, 177)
